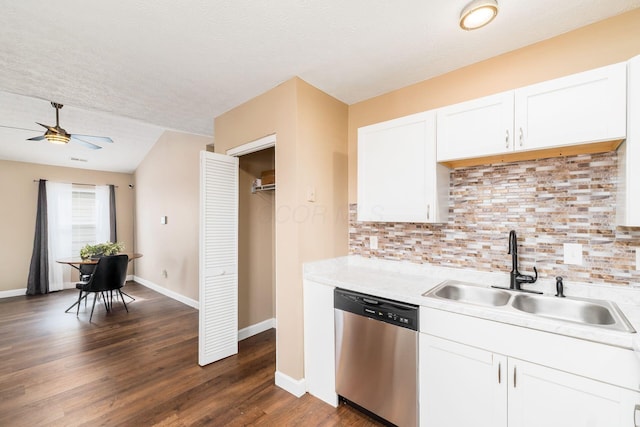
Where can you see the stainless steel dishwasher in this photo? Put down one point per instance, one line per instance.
(377, 355)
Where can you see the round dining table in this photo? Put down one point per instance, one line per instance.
(76, 262)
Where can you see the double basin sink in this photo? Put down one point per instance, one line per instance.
(599, 313)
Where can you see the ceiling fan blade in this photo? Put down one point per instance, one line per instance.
(94, 138)
(51, 128)
(17, 128)
(36, 138)
(87, 144)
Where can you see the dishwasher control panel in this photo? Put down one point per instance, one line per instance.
(388, 311)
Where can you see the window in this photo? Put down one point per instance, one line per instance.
(77, 215)
(83, 223)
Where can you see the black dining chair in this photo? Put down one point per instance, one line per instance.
(86, 270)
(109, 275)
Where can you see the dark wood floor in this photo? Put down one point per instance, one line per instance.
(138, 369)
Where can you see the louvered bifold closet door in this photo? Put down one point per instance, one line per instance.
(218, 325)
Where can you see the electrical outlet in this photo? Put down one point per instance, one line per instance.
(373, 242)
(163, 220)
(573, 253)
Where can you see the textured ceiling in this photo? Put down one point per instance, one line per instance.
(177, 64)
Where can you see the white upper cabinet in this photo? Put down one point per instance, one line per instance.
(628, 205)
(477, 128)
(398, 177)
(579, 109)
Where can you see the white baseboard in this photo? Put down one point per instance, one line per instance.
(164, 291)
(13, 293)
(67, 285)
(252, 330)
(129, 277)
(295, 387)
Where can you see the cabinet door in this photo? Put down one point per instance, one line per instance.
(319, 345)
(541, 396)
(582, 108)
(461, 385)
(476, 128)
(628, 208)
(398, 179)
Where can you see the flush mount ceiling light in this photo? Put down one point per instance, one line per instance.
(478, 13)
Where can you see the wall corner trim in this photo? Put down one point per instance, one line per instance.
(164, 291)
(295, 387)
(13, 293)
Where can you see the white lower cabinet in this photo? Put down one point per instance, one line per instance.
(462, 385)
(319, 345)
(541, 396)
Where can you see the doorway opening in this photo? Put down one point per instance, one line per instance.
(256, 237)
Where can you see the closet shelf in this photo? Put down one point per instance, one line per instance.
(268, 187)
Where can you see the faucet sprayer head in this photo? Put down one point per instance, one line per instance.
(513, 242)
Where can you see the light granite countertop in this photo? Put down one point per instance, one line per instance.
(406, 282)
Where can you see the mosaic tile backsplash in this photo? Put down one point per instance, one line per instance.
(548, 202)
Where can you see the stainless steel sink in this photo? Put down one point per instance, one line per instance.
(589, 312)
(470, 293)
(592, 312)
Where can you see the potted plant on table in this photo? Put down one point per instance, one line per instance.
(101, 249)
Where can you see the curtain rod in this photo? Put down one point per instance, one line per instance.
(74, 183)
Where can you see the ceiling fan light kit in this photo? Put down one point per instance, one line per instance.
(57, 135)
(477, 14)
(56, 139)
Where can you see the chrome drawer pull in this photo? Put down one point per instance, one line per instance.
(521, 138)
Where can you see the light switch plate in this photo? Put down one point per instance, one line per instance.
(311, 194)
(637, 258)
(573, 253)
(163, 220)
(373, 242)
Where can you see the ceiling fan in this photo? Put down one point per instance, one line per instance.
(57, 135)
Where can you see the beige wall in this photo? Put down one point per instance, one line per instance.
(19, 194)
(310, 149)
(256, 242)
(322, 127)
(167, 183)
(606, 42)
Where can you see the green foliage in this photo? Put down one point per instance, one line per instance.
(107, 248)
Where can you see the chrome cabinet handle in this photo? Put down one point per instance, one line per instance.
(428, 211)
(521, 138)
(514, 377)
(499, 373)
(506, 139)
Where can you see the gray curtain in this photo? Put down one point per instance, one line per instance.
(113, 235)
(38, 281)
